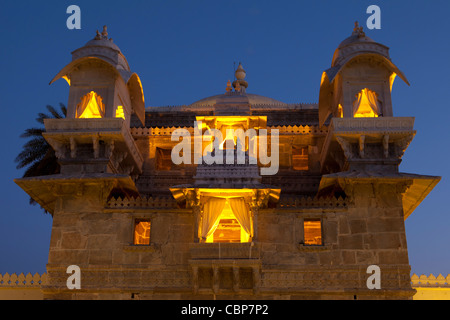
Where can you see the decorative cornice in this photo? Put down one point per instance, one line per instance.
(21, 280)
(168, 131)
(143, 202)
(308, 202)
(430, 281)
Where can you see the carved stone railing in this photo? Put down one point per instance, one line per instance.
(299, 129)
(307, 202)
(167, 131)
(21, 280)
(124, 203)
(381, 124)
(164, 131)
(225, 251)
(430, 281)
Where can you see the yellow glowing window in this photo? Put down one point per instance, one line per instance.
(120, 113)
(141, 232)
(91, 106)
(340, 111)
(366, 104)
(228, 229)
(312, 232)
(300, 158)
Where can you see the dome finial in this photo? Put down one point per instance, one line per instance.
(237, 87)
(358, 31)
(240, 72)
(240, 75)
(229, 89)
(105, 32)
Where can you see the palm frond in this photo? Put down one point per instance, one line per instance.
(37, 156)
(32, 132)
(53, 112)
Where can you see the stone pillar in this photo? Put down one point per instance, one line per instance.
(197, 211)
(254, 209)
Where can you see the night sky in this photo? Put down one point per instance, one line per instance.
(185, 50)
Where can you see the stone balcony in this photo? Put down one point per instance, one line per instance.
(91, 142)
(223, 251)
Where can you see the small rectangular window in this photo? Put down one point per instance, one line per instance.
(300, 158)
(312, 232)
(163, 159)
(141, 232)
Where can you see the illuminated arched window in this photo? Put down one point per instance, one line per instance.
(120, 113)
(91, 106)
(340, 111)
(367, 104)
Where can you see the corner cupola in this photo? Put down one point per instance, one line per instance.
(359, 82)
(101, 83)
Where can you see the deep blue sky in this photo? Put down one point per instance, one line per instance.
(184, 51)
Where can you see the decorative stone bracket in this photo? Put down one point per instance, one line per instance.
(217, 265)
(109, 139)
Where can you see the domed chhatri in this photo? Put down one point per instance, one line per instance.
(360, 67)
(103, 47)
(100, 67)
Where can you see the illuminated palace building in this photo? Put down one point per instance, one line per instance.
(300, 210)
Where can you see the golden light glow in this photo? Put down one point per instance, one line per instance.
(322, 80)
(67, 79)
(391, 80)
(230, 140)
(91, 106)
(141, 232)
(340, 111)
(312, 232)
(228, 230)
(365, 110)
(120, 113)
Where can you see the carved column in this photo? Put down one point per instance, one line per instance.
(254, 208)
(197, 210)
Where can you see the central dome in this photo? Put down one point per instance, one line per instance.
(237, 97)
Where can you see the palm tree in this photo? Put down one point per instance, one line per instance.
(37, 155)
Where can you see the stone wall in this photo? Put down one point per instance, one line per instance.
(357, 233)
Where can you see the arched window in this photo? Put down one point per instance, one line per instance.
(367, 105)
(120, 113)
(91, 106)
(340, 111)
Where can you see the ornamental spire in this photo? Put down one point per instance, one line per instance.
(240, 82)
(358, 31)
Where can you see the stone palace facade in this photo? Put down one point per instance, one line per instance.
(140, 226)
